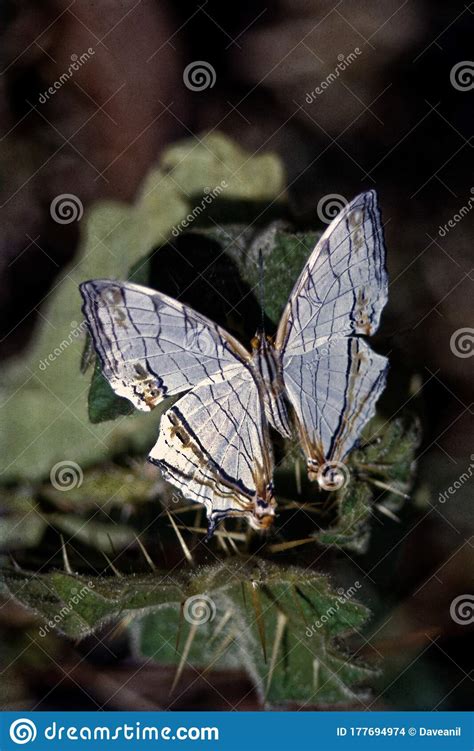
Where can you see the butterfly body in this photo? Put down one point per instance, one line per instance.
(318, 380)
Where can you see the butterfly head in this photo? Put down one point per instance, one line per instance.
(261, 342)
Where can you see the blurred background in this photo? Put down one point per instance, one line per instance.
(350, 95)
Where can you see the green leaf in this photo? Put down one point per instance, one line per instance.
(21, 524)
(301, 619)
(45, 410)
(384, 467)
(104, 404)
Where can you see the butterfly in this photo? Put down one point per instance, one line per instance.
(318, 380)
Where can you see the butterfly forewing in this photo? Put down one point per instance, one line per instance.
(343, 286)
(151, 346)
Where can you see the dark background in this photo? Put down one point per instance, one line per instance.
(393, 121)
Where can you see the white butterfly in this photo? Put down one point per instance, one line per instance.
(319, 379)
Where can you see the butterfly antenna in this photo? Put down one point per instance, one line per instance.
(261, 288)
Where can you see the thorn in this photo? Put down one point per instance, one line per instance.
(180, 626)
(259, 617)
(223, 544)
(386, 486)
(220, 651)
(244, 598)
(316, 665)
(67, 565)
(186, 551)
(298, 476)
(16, 565)
(282, 620)
(112, 546)
(280, 546)
(115, 570)
(223, 622)
(384, 510)
(186, 650)
(240, 536)
(145, 553)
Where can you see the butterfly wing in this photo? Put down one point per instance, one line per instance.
(332, 378)
(214, 446)
(151, 346)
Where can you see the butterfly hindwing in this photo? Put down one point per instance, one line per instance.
(214, 446)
